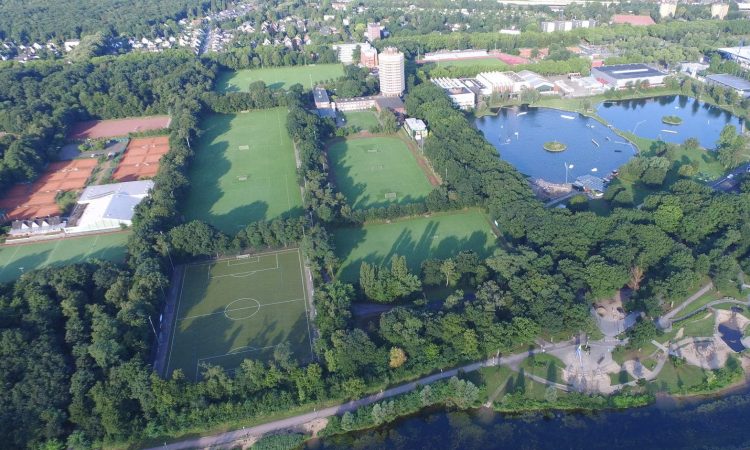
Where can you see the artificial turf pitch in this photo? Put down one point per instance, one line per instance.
(20, 258)
(362, 120)
(377, 171)
(439, 236)
(237, 308)
(243, 171)
(278, 77)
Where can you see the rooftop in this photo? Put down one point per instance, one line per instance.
(738, 83)
(737, 52)
(415, 124)
(129, 188)
(321, 96)
(626, 71)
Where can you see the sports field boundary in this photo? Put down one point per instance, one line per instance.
(168, 329)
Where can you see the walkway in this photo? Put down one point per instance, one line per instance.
(665, 321)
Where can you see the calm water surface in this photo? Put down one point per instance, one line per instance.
(643, 117)
(519, 135)
(718, 423)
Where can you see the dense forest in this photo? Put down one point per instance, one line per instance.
(29, 21)
(81, 335)
(39, 102)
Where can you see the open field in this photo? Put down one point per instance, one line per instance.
(243, 171)
(278, 77)
(96, 129)
(238, 308)
(29, 201)
(437, 236)
(19, 258)
(362, 120)
(377, 171)
(141, 158)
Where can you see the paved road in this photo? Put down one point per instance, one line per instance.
(729, 180)
(296, 421)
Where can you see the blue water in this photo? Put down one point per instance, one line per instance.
(535, 126)
(643, 117)
(709, 423)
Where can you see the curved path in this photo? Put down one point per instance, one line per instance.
(297, 421)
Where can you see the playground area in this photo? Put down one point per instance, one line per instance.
(141, 158)
(237, 308)
(97, 129)
(27, 201)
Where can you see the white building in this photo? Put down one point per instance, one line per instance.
(740, 55)
(458, 91)
(503, 82)
(537, 82)
(391, 72)
(108, 206)
(620, 76)
(416, 128)
(447, 55)
(346, 51)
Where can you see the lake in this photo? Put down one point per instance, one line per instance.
(519, 135)
(643, 117)
(668, 424)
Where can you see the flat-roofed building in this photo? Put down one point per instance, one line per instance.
(726, 81)
(415, 128)
(373, 31)
(368, 57)
(719, 10)
(345, 52)
(321, 98)
(620, 76)
(458, 91)
(740, 55)
(450, 55)
(503, 82)
(108, 206)
(537, 82)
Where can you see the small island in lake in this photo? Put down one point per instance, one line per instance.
(554, 146)
(671, 120)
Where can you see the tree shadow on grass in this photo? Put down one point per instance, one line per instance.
(429, 244)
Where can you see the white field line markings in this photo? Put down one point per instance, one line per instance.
(241, 308)
(214, 261)
(244, 274)
(304, 295)
(174, 327)
(12, 257)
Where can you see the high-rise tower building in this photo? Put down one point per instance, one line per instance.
(391, 71)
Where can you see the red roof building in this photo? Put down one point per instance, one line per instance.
(636, 21)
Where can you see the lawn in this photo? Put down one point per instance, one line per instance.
(243, 171)
(544, 366)
(16, 259)
(362, 120)
(673, 379)
(377, 171)
(240, 308)
(437, 236)
(278, 77)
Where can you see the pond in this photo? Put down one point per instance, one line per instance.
(705, 423)
(519, 134)
(644, 118)
(732, 336)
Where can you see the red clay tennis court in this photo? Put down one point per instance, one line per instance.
(27, 201)
(96, 129)
(141, 158)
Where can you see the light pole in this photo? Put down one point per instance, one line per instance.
(567, 166)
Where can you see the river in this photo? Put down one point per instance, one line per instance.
(715, 422)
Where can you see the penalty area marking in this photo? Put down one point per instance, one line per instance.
(232, 352)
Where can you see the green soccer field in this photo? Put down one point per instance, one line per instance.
(243, 171)
(239, 308)
(362, 120)
(278, 77)
(377, 171)
(439, 236)
(16, 259)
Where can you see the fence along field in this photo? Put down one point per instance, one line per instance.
(278, 77)
(237, 308)
(437, 236)
(19, 258)
(377, 171)
(243, 171)
(97, 129)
